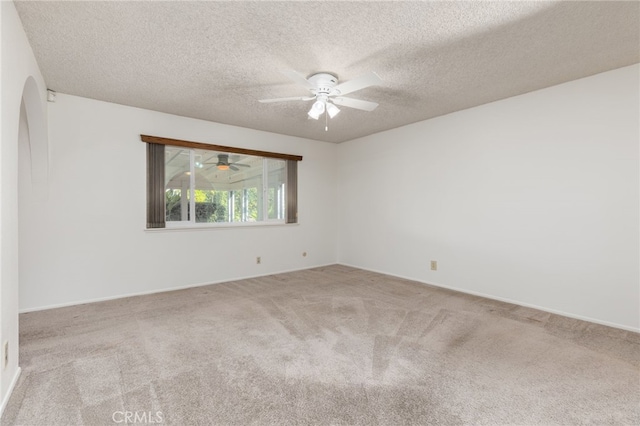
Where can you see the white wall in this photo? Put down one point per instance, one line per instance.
(88, 240)
(17, 65)
(532, 199)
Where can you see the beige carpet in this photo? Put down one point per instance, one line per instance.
(332, 345)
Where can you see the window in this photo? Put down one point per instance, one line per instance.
(195, 184)
(222, 188)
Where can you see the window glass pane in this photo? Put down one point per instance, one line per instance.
(228, 187)
(276, 172)
(245, 203)
(177, 184)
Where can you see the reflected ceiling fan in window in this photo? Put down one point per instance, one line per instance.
(327, 93)
(224, 164)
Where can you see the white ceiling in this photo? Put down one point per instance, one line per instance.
(214, 60)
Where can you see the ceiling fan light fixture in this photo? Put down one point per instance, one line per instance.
(316, 109)
(223, 167)
(332, 110)
(313, 114)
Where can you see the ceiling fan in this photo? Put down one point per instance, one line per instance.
(224, 164)
(328, 93)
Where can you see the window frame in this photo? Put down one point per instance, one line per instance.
(156, 187)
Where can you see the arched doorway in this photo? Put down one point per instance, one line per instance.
(34, 135)
(33, 169)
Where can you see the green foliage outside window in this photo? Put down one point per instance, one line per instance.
(213, 206)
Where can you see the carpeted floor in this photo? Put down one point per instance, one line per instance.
(332, 345)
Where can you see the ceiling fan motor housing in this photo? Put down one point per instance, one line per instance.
(223, 159)
(324, 83)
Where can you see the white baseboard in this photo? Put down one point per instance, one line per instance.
(474, 293)
(503, 299)
(14, 381)
(163, 290)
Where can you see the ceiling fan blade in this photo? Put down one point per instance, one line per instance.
(355, 103)
(295, 98)
(239, 165)
(298, 78)
(358, 83)
(234, 168)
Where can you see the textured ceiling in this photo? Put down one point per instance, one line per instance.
(214, 60)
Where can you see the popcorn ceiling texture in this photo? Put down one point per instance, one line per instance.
(214, 60)
(332, 345)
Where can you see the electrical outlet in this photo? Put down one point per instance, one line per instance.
(434, 265)
(258, 260)
(5, 358)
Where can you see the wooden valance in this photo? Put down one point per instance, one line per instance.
(220, 148)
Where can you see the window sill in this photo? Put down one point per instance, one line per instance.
(218, 226)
